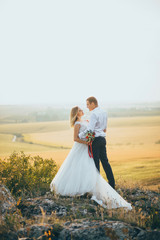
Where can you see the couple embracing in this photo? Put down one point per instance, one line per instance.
(79, 173)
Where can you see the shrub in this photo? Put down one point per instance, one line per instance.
(154, 220)
(9, 226)
(26, 175)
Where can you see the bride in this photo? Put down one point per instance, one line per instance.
(78, 174)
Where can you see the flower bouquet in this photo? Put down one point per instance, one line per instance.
(90, 136)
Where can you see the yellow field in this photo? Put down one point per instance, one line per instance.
(133, 146)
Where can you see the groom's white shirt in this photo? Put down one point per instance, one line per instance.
(97, 123)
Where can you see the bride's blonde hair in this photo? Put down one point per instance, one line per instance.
(73, 115)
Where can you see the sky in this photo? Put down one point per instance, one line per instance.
(61, 52)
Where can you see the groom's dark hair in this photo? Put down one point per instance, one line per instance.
(92, 99)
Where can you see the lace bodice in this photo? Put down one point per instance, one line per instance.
(83, 126)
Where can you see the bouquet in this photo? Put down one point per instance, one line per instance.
(90, 136)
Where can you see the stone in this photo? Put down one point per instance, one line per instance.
(100, 230)
(7, 202)
(84, 223)
(35, 206)
(9, 236)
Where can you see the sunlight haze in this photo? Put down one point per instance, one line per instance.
(62, 52)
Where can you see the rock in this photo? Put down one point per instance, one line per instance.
(109, 230)
(9, 236)
(101, 230)
(81, 219)
(38, 231)
(7, 202)
(35, 206)
(33, 231)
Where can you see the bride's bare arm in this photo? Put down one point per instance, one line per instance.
(76, 131)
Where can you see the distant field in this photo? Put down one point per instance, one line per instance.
(133, 145)
(41, 113)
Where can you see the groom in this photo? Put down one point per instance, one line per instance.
(98, 124)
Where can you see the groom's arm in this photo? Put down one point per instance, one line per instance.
(92, 123)
(82, 134)
(91, 126)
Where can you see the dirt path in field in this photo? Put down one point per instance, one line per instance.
(14, 138)
(20, 138)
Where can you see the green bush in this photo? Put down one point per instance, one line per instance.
(9, 226)
(155, 219)
(26, 175)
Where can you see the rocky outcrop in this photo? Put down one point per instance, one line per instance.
(54, 217)
(7, 202)
(86, 230)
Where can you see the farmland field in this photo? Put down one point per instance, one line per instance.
(133, 145)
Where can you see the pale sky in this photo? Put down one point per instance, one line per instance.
(65, 51)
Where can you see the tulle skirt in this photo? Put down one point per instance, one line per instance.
(78, 175)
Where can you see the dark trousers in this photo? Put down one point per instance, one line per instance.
(99, 153)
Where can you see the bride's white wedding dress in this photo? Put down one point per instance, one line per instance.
(79, 175)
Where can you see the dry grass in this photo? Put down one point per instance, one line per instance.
(7, 146)
(34, 127)
(132, 145)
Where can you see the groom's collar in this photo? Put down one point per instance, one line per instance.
(95, 109)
